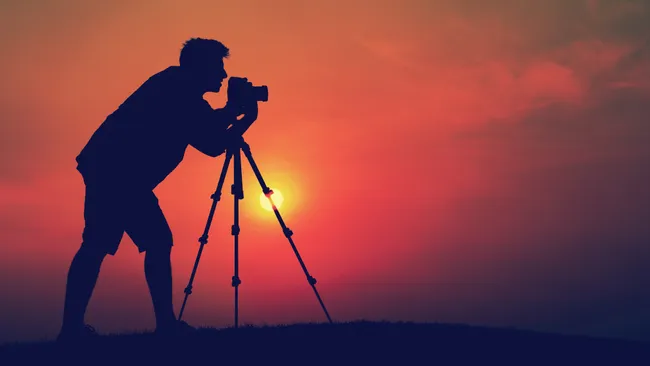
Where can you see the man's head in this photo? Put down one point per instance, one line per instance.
(203, 60)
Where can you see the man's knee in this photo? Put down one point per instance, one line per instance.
(101, 238)
(161, 250)
(159, 241)
(94, 252)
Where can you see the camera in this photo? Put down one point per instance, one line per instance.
(241, 89)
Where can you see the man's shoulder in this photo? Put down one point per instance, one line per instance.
(166, 85)
(170, 70)
(170, 74)
(165, 93)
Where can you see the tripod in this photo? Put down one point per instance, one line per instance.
(234, 152)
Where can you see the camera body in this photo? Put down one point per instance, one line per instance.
(240, 89)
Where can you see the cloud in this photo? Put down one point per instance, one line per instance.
(468, 68)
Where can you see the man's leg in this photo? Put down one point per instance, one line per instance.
(82, 277)
(158, 271)
(102, 234)
(150, 231)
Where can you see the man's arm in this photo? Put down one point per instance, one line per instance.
(211, 130)
(214, 128)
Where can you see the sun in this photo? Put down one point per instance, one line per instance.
(276, 197)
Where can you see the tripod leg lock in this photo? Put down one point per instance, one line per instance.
(188, 290)
(235, 281)
(234, 230)
(237, 191)
(287, 232)
(312, 280)
(203, 240)
(216, 196)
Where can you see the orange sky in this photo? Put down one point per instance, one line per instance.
(440, 161)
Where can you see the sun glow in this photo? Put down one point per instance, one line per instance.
(276, 197)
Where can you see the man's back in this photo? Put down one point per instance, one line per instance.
(146, 137)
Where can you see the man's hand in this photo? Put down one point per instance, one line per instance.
(237, 107)
(249, 110)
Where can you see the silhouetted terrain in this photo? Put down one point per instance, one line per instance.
(354, 343)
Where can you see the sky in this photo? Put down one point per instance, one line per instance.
(466, 161)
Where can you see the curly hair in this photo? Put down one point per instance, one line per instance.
(198, 51)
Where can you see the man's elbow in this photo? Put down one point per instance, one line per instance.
(214, 152)
(211, 151)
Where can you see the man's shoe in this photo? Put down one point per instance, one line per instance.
(177, 328)
(78, 334)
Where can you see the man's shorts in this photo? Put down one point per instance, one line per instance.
(110, 211)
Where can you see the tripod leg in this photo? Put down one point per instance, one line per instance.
(287, 232)
(238, 194)
(216, 196)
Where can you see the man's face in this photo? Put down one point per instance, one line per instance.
(215, 73)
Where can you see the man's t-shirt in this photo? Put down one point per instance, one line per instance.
(145, 139)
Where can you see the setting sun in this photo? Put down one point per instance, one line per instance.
(277, 200)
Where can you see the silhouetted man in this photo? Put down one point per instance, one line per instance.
(131, 152)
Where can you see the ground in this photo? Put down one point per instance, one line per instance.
(352, 343)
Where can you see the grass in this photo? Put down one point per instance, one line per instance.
(351, 343)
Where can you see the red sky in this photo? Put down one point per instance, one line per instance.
(450, 161)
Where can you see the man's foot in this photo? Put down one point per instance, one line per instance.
(77, 334)
(176, 328)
